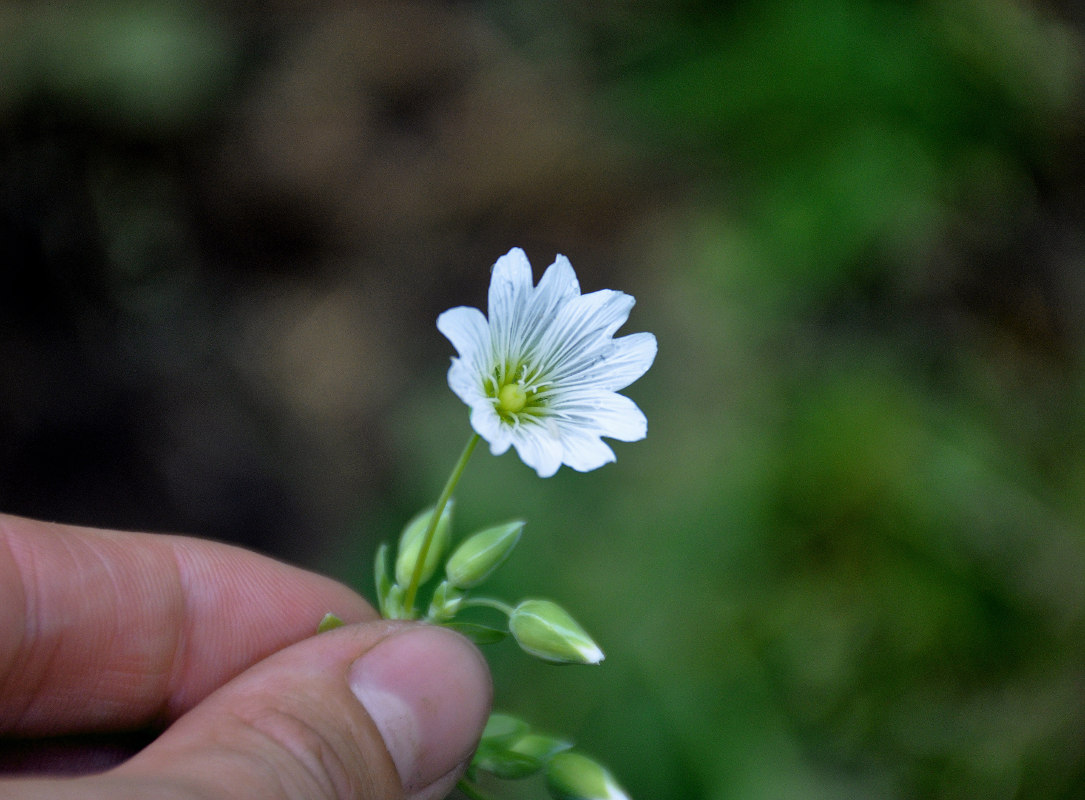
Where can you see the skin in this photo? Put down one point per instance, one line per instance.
(200, 659)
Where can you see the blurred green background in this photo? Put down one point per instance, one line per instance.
(848, 559)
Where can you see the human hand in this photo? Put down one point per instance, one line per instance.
(211, 647)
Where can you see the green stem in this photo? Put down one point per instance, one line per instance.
(442, 501)
(488, 602)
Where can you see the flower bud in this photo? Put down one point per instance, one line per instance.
(503, 728)
(539, 746)
(482, 553)
(446, 601)
(410, 545)
(545, 630)
(573, 776)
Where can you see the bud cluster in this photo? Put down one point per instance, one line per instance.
(540, 627)
(511, 750)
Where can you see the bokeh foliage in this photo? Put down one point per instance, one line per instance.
(848, 559)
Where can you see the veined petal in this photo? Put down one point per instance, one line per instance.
(582, 326)
(468, 331)
(510, 292)
(557, 287)
(464, 381)
(586, 451)
(487, 424)
(540, 447)
(607, 413)
(613, 367)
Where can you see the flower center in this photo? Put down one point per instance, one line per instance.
(511, 399)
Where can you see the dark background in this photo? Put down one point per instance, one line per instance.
(848, 559)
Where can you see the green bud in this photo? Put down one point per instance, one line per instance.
(446, 601)
(539, 746)
(503, 728)
(545, 630)
(392, 603)
(329, 623)
(381, 579)
(410, 545)
(482, 553)
(573, 776)
(506, 764)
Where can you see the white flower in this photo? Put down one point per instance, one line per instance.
(543, 373)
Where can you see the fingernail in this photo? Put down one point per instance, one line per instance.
(427, 689)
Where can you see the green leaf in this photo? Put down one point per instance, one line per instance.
(479, 634)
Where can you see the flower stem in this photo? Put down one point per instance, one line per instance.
(488, 602)
(442, 501)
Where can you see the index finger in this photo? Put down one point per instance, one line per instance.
(104, 630)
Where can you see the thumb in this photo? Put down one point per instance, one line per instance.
(368, 712)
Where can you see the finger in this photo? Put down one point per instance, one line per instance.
(369, 712)
(102, 630)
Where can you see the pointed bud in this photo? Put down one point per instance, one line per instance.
(545, 630)
(410, 545)
(482, 553)
(446, 601)
(381, 579)
(539, 746)
(503, 728)
(392, 603)
(573, 776)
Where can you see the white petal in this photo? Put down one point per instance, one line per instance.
(539, 446)
(487, 424)
(510, 291)
(466, 328)
(607, 309)
(559, 281)
(606, 413)
(581, 327)
(465, 382)
(613, 367)
(556, 288)
(585, 452)
(631, 357)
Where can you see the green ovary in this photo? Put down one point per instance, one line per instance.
(511, 399)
